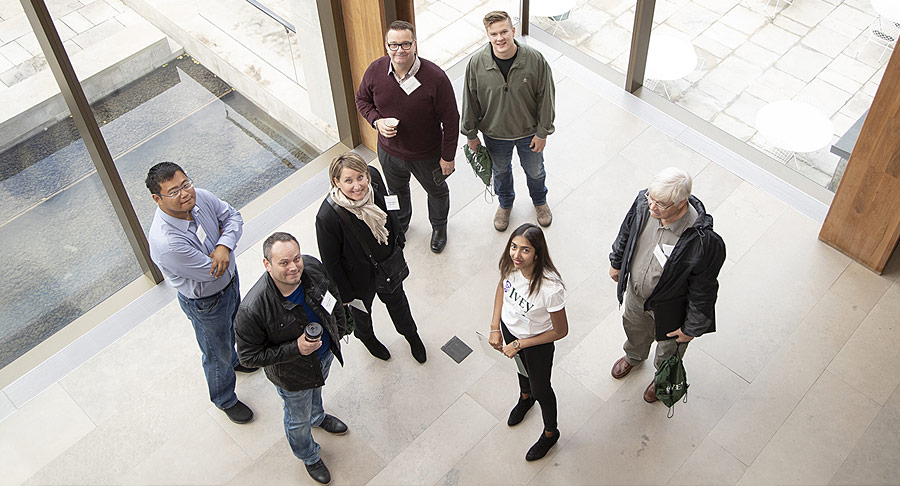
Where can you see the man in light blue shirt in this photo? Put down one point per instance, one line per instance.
(192, 240)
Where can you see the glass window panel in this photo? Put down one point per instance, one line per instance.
(62, 249)
(788, 80)
(449, 30)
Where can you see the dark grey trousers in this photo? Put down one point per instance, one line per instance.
(396, 174)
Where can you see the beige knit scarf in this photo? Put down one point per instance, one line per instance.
(366, 210)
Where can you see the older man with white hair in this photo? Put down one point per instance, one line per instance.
(668, 248)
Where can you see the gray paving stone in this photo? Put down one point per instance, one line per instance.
(692, 19)
(756, 55)
(733, 74)
(744, 19)
(775, 39)
(23, 70)
(823, 95)
(98, 12)
(98, 33)
(13, 28)
(726, 35)
(745, 108)
(30, 43)
(808, 13)
(5, 64)
(77, 22)
(734, 127)
(826, 41)
(803, 62)
(790, 25)
(775, 85)
(15, 53)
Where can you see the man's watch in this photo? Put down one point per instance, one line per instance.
(516, 344)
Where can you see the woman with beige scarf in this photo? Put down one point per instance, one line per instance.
(359, 191)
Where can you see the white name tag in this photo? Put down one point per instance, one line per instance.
(660, 256)
(392, 202)
(201, 235)
(328, 302)
(667, 249)
(410, 85)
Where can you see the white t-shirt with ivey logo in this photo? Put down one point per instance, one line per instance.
(529, 315)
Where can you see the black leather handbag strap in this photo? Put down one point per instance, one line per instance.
(345, 218)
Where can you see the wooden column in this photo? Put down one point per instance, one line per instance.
(864, 219)
(365, 22)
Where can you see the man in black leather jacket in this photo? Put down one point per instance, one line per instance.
(666, 261)
(271, 331)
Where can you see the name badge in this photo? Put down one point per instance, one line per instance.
(410, 85)
(660, 256)
(328, 302)
(392, 202)
(201, 235)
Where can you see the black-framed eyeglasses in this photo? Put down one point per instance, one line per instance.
(402, 45)
(177, 192)
(659, 205)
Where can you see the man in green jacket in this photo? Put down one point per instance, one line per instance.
(509, 96)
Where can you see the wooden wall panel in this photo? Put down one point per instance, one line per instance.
(364, 23)
(864, 219)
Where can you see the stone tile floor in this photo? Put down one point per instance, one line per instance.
(792, 389)
(811, 51)
(79, 24)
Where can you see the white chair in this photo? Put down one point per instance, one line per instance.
(884, 33)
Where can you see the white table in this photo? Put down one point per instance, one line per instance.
(669, 58)
(889, 9)
(794, 126)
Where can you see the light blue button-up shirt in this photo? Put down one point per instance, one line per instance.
(179, 252)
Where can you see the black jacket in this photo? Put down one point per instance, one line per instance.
(341, 251)
(267, 326)
(685, 296)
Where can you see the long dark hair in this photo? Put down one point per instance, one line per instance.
(543, 265)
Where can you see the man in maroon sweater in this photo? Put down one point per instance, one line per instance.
(410, 101)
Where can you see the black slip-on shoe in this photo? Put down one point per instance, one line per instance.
(542, 446)
(239, 413)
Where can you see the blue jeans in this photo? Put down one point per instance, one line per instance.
(532, 163)
(303, 410)
(213, 321)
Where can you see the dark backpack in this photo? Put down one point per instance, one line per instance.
(671, 382)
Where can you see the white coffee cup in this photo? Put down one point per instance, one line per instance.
(391, 122)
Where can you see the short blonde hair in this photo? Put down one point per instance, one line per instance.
(496, 16)
(347, 160)
(671, 186)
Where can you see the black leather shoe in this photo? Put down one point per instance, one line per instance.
(438, 239)
(239, 413)
(333, 425)
(319, 472)
(542, 446)
(417, 347)
(245, 369)
(377, 349)
(517, 414)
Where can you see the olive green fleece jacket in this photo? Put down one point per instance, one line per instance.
(520, 106)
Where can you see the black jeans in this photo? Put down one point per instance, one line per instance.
(538, 361)
(397, 306)
(396, 174)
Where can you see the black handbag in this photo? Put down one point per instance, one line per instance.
(390, 272)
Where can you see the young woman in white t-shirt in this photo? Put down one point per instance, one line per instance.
(529, 315)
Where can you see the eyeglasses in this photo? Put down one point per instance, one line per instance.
(177, 192)
(405, 45)
(659, 205)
